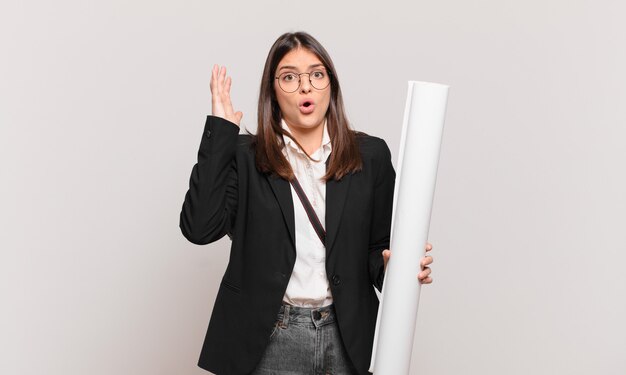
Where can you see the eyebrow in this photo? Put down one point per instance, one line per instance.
(294, 68)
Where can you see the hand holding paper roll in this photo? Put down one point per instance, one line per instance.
(424, 276)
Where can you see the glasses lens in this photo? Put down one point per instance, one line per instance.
(289, 82)
(319, 79)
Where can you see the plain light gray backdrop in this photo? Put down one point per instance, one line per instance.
(102, 106)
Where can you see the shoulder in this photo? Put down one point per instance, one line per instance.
(376, 157)
(371, 146)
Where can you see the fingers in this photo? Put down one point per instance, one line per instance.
(426, 260)
(227, 83)
(428, 280)
(238, 116)
(424, 276)
(220, 95)
(214, 86)
(216, 90)
(221, 76)
(228, 105)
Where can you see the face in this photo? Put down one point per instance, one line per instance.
(305, 108)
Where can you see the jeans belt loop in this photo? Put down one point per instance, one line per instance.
(286, 316)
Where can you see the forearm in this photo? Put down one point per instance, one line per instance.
(211, 201)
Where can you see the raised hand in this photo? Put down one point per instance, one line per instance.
(220, 96)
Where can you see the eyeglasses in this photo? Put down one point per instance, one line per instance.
(290, 82)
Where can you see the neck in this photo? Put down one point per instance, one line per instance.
(309, 139)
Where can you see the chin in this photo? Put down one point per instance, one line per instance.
(305, 122)
(313, 122)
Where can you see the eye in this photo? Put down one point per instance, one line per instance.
(288, 77)
(318, 74)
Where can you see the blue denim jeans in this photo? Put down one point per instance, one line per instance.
(305, 342)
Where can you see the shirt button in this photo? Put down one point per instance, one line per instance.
(208, 134)
(336, 280)
(317, 315)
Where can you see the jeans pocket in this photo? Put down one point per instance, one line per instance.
(277, 327)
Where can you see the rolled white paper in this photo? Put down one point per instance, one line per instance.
(413, 198)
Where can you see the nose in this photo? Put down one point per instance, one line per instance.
(305, 83)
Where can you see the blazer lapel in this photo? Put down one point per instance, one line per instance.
(282, 191)
(336, 193)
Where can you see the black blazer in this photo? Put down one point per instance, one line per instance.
(228, 195)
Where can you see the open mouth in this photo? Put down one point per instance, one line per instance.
(307, 106)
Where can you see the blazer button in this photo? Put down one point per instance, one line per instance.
(336, 280)
(208, 134)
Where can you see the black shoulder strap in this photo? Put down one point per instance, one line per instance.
(310, 212)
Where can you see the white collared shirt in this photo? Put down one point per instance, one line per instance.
(308, 285)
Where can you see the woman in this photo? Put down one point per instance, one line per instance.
(307, 204)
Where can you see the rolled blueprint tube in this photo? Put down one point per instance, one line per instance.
(413, 198)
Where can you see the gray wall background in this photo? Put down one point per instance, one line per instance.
(102, 106)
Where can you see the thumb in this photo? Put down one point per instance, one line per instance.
(238, 116)
(386, 256)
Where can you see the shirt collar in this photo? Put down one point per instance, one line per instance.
(326, 145)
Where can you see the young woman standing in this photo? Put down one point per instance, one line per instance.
(307, 203)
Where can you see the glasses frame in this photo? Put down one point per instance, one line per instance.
(300, 80)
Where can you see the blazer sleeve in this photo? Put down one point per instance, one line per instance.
(210, 205)
(381, 214)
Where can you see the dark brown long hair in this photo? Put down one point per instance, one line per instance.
(345, 157)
